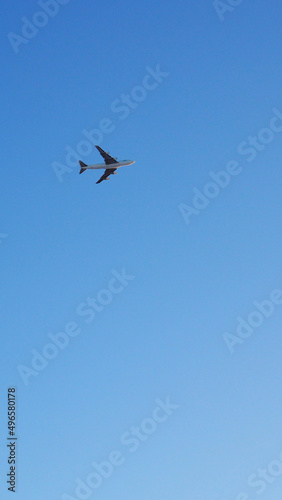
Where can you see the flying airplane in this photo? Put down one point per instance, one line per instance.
(112, 165)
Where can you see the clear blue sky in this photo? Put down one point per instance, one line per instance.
(162, 335)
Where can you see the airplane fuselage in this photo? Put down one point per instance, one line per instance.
(110, 165)
(123, 163)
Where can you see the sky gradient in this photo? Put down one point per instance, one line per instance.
(142, 294)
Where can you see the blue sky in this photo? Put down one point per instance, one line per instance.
(161, 335)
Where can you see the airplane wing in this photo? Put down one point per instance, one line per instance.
(109, 160)
(107, 172)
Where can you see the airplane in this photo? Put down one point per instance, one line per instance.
(112, 165)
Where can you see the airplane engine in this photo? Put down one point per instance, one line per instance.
(107, 178)
(114, 173)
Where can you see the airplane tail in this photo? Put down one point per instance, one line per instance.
(83, 166)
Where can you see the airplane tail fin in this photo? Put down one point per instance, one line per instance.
(82, 166)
